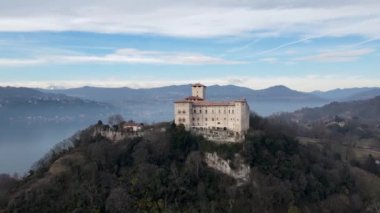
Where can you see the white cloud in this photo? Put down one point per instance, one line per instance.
(337, 56)
(301, 83)
(20, 62)
(125, 56)
(194, 18)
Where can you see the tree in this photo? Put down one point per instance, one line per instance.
(370, 165)
(115, 119)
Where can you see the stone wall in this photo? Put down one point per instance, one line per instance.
(114, 135)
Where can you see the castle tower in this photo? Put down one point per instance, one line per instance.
(199, 90)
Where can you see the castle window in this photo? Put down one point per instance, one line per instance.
(232, 111)
(179, 111)
(184, 112)
(206, 111)
(184, 120)
(195, 111)
(193, 119)
(212, 119)
(198, 119)
(200, 111)
(206, 119)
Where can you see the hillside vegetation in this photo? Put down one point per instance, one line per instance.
(164, 171)
(364, 111)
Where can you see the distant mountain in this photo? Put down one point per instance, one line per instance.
(348, 94)
(156, 104)
(171, 93)
(284, 93)
(367, 94)
(32, 106)
(146, 104)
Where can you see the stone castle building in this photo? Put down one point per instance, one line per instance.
(197, 113)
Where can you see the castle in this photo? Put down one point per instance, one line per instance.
(197, 113)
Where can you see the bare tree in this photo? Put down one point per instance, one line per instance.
(115, 119)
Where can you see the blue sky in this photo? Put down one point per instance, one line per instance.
(305, 46)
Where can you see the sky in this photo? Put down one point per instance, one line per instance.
(305, 45)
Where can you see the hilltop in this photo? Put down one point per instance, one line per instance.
(169, 169)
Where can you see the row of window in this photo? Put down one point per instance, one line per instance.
(181, 120)
(212, 119)
(213, 112)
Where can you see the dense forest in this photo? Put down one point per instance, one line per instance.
(164, 171)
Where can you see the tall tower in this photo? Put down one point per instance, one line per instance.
(199, 90)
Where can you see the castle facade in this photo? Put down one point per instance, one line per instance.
(195, 112)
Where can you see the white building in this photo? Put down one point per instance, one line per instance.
(195, 112)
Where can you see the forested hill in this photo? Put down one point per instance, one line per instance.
(165, 170)
(366, 111)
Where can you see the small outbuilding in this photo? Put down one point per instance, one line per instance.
(131, 126)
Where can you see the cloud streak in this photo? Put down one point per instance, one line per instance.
(20, 62)
(302, 83)
(124, 56)
(337, 56)
(194, 18)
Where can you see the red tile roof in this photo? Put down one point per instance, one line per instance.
(194, 98)
(214, 103)
(202, 102)
(190, 99)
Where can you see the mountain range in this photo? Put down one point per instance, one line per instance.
(157, 102)
(275, 93)
(145, 104)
